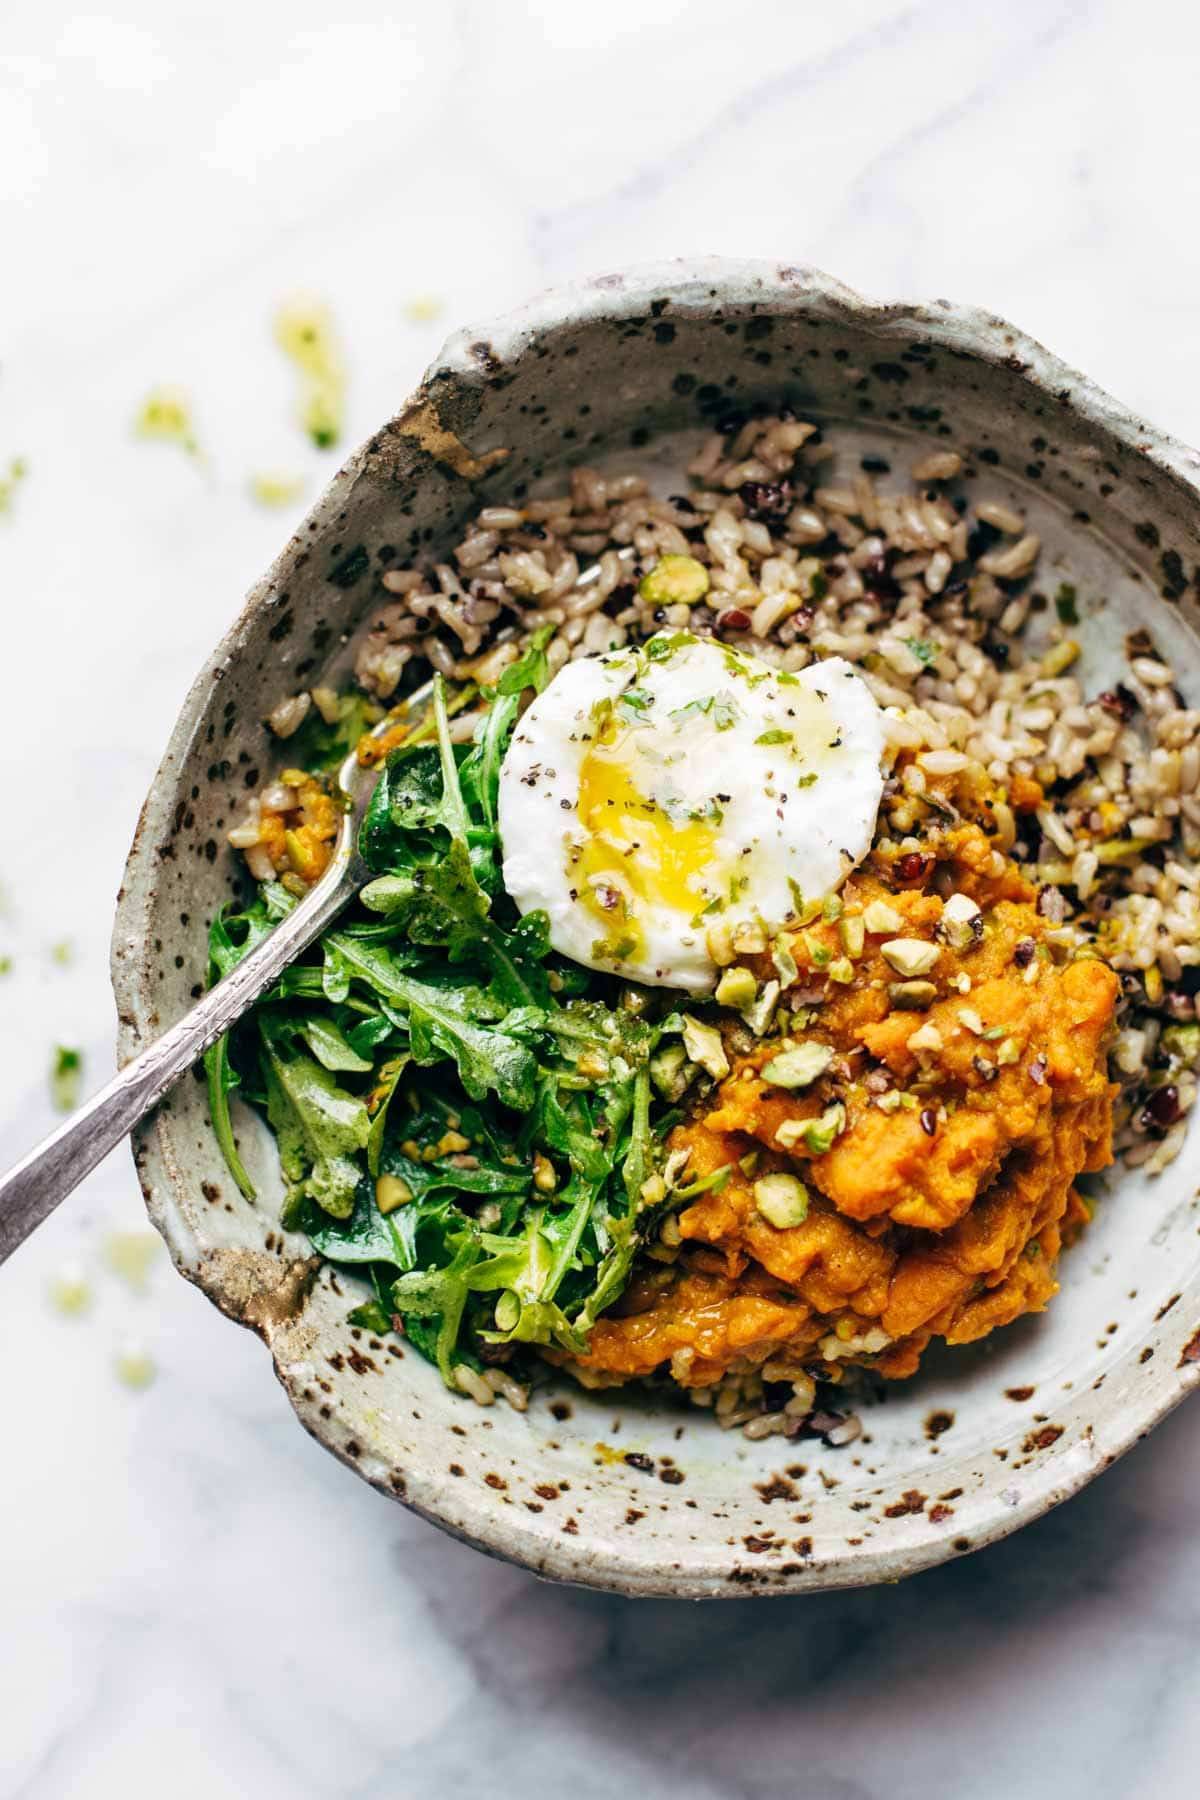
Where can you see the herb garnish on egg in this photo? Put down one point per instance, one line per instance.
(691, 779)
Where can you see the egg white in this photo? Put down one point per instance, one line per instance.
(648, 795)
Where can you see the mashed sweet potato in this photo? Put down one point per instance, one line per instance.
(973, 1098)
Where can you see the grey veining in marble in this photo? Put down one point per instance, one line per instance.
(188, 1585)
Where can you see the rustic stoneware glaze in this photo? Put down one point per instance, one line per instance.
(615, 1491)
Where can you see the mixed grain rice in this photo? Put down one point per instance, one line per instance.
(930, 595)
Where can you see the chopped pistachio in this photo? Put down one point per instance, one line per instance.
(820, 1134)
(675, 1167)
(831, 906)
(805, 910)
(926, 1037)
(852, 930)
(737, 988)
(306, 858)
(961, 923)
(544, 1178)
(879, 917)
(799, 1065)
(782, 1200)
(1008, 1053)
(653, 1190)
(749, 938)
(759, 1016)
(674, 581)
(1181, 1043)
(841, 970)
(912, 996)
(703, 1045)
(889, 1102)
(748, 1163)
(1060, 657)
(910, 956)
(962, 981)
(970, 1020)
(819, 955)
(707, 1184)
(508, 1310)
(719, 942)
(785, 963)
(993, 1033)
(670, 1070)
(390, 1192)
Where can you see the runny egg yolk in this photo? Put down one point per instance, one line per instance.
(637, 848)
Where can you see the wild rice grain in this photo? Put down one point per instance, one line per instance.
(940, 465)
(1002, 518)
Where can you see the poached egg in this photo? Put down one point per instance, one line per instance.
(650, 794)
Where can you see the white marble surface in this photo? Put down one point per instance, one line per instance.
(194, 1598)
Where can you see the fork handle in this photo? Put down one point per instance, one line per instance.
(31, 1191)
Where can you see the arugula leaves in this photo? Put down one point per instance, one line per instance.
(460, 1115)
(318, 1124)
(441, 1023)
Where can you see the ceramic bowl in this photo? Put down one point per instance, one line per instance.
(614, 1491)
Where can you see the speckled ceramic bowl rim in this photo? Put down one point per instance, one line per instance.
(694, 287)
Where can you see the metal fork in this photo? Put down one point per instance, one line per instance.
(31, 1190)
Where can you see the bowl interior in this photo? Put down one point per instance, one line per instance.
(619, 1489)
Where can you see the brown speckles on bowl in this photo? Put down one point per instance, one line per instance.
(1042, 1439)
(778, 1488)
(913, 1501)
(650, 359)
